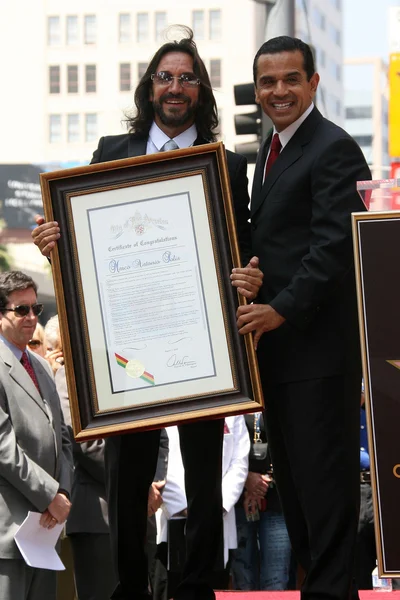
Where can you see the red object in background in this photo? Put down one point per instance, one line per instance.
(395, 174)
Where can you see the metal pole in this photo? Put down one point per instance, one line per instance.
(280, 19)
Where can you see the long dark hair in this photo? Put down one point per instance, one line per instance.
(206, 115)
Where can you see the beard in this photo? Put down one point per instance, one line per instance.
(175, 117)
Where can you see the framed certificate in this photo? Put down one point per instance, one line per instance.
(376, 246)
(142, 279)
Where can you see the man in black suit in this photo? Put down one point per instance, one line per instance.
(305, 320)
(175, 108)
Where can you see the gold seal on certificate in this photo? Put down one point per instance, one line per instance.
(134, 368)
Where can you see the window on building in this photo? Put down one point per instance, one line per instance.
(363, 140)
(72, 79)
(90, 79)
(215, 72)
(319, 18)
(53, 31)
(142, 27)
(141, 69)
(160, 24)
(215, 25)
(54, 79)
(54, 129)
(323, 58)
(124, 34)
(332, 66)
(338, 108)
(125, 77)
(338, 72)
(198, 24)
(73, 128)
(91, 127)
(359, 112)
(72, 30)
(90, 31)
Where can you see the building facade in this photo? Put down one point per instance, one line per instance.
(72, 66)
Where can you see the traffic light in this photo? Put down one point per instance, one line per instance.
(251, 123)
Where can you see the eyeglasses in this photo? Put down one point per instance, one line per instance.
(186, 80)
(34, 343)
(24, 309)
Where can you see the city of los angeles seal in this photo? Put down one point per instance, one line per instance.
(134, 368)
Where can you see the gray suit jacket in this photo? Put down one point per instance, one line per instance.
(35, 455)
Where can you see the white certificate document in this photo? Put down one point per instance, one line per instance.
(151, 293)
(37, 543)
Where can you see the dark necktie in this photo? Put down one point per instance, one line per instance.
(29, 369)
(170, 145)
(276, 147)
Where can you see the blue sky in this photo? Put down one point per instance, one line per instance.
(365, 27)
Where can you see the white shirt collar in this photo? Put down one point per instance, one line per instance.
(16, 351)
(286, 135)
(157, 138)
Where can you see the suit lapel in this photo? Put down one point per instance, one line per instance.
(260, 166)
(21, 377)
(289, 155)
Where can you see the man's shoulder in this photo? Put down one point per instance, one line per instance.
(234, 158)
(114, 147)
(326, 130)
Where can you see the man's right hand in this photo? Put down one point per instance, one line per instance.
(45, 235)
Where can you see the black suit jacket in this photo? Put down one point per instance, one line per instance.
(127, 145)
(301, 231)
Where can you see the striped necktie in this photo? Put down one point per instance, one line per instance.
(25, 362)
(170, 145)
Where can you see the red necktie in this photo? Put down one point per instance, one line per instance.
(29, 369)
(276, 147)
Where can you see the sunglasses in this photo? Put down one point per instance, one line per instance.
(24, 309)
(34, 343)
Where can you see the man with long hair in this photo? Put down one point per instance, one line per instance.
(175, 108)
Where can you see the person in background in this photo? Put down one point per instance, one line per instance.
(87, 525)
(263, 556)
(35, 456)
(171, 517)
(37, 343)
(54, 352)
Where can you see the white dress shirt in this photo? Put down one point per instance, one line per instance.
(157, 138)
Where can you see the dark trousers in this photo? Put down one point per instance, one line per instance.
(313, 430)
(94, 574)
(167, 582)
(130, 466)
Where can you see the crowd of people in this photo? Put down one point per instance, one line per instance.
(266, 501)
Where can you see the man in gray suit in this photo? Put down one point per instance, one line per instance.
(35, 457)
